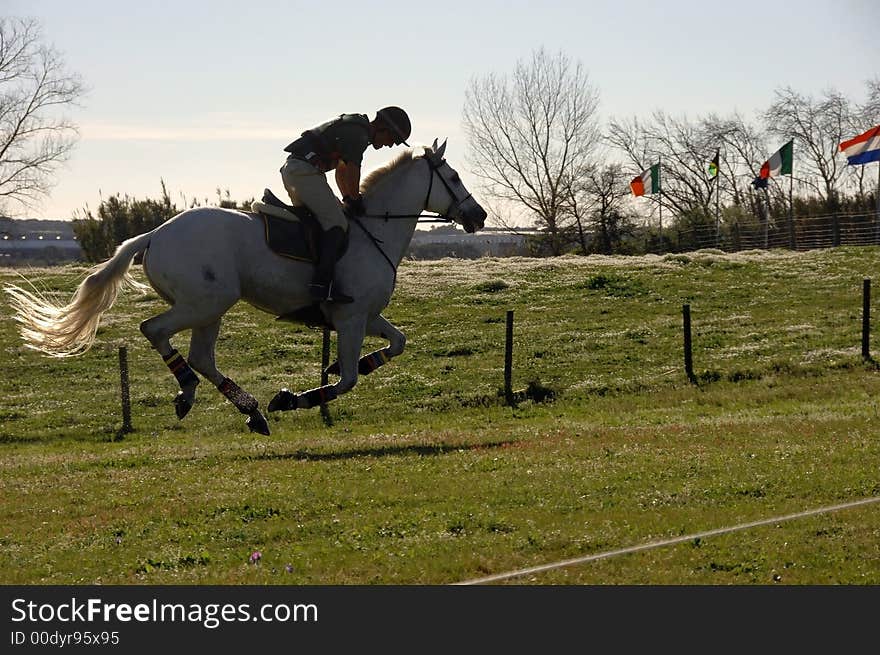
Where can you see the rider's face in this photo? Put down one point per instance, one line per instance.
(382, 138)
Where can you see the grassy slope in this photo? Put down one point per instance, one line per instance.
(424, 477)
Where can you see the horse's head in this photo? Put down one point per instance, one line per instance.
(448, 195)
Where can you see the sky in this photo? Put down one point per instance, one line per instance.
(206, 94)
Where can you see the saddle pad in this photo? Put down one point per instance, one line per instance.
(290, 238)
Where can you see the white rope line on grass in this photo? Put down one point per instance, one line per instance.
(666, 542)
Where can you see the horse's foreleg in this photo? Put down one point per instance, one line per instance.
(201, 356)
(350, 338)
(378, 326)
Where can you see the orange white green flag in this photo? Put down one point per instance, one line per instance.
(648, 181)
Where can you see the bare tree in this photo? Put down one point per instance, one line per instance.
(597, 202)
(530, 133)
(871, 109)
(685, 148)
(817, 125)
(743, 148)
(34, 85)
(863, 118)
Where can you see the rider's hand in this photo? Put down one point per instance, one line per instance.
(354, 206)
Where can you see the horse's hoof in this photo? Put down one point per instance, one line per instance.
(257, 423)
(182, 404)
(283, 401)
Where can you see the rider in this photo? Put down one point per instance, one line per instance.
(337, 145)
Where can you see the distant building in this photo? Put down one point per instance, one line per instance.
(451, 241)
(34, 241)
(31, 241)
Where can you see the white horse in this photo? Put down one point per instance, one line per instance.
(204, 260)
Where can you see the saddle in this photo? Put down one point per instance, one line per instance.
(291, 231)
(295, 233)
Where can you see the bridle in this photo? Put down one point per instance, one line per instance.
(454, 203)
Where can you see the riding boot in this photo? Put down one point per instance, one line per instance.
(322, 288)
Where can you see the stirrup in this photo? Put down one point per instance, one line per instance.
(326, 293)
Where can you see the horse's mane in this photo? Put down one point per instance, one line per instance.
(377, 175)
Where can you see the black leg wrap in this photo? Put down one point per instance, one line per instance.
(284, 400)
(366, 365)
(243, 401)
(319, 396)
(184, 374)
(369, 363)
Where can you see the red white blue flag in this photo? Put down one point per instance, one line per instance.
(863, 149)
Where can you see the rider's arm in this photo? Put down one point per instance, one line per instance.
(348, 179)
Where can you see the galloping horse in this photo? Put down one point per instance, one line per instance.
(204, 260)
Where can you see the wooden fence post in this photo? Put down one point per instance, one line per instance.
(508, 360)
(688, 355)
(866, 318)
(125, 390)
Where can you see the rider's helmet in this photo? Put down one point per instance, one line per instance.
(396, 119)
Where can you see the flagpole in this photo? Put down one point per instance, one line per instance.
(791, 240)
(660, 199)
(718, 206)
(767, 217)
(877, 195)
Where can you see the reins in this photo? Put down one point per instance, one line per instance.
(377, 242)
(421, 217)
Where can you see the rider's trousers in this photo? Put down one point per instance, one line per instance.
(306, 185)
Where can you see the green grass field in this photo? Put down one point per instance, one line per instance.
(425, 477)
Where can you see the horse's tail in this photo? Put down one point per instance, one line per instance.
(65, 331)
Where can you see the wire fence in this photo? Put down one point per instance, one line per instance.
(797, 233)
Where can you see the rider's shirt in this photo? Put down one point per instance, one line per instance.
(344, 138)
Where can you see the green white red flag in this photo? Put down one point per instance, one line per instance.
(780, 162)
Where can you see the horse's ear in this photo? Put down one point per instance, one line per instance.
(434, 146)
(442, 149)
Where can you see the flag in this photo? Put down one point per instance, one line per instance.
(713, 166)
(864, 148)
(648, 181)
(779, 162)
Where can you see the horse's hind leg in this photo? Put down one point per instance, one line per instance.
(201, 356)
(158, 331)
